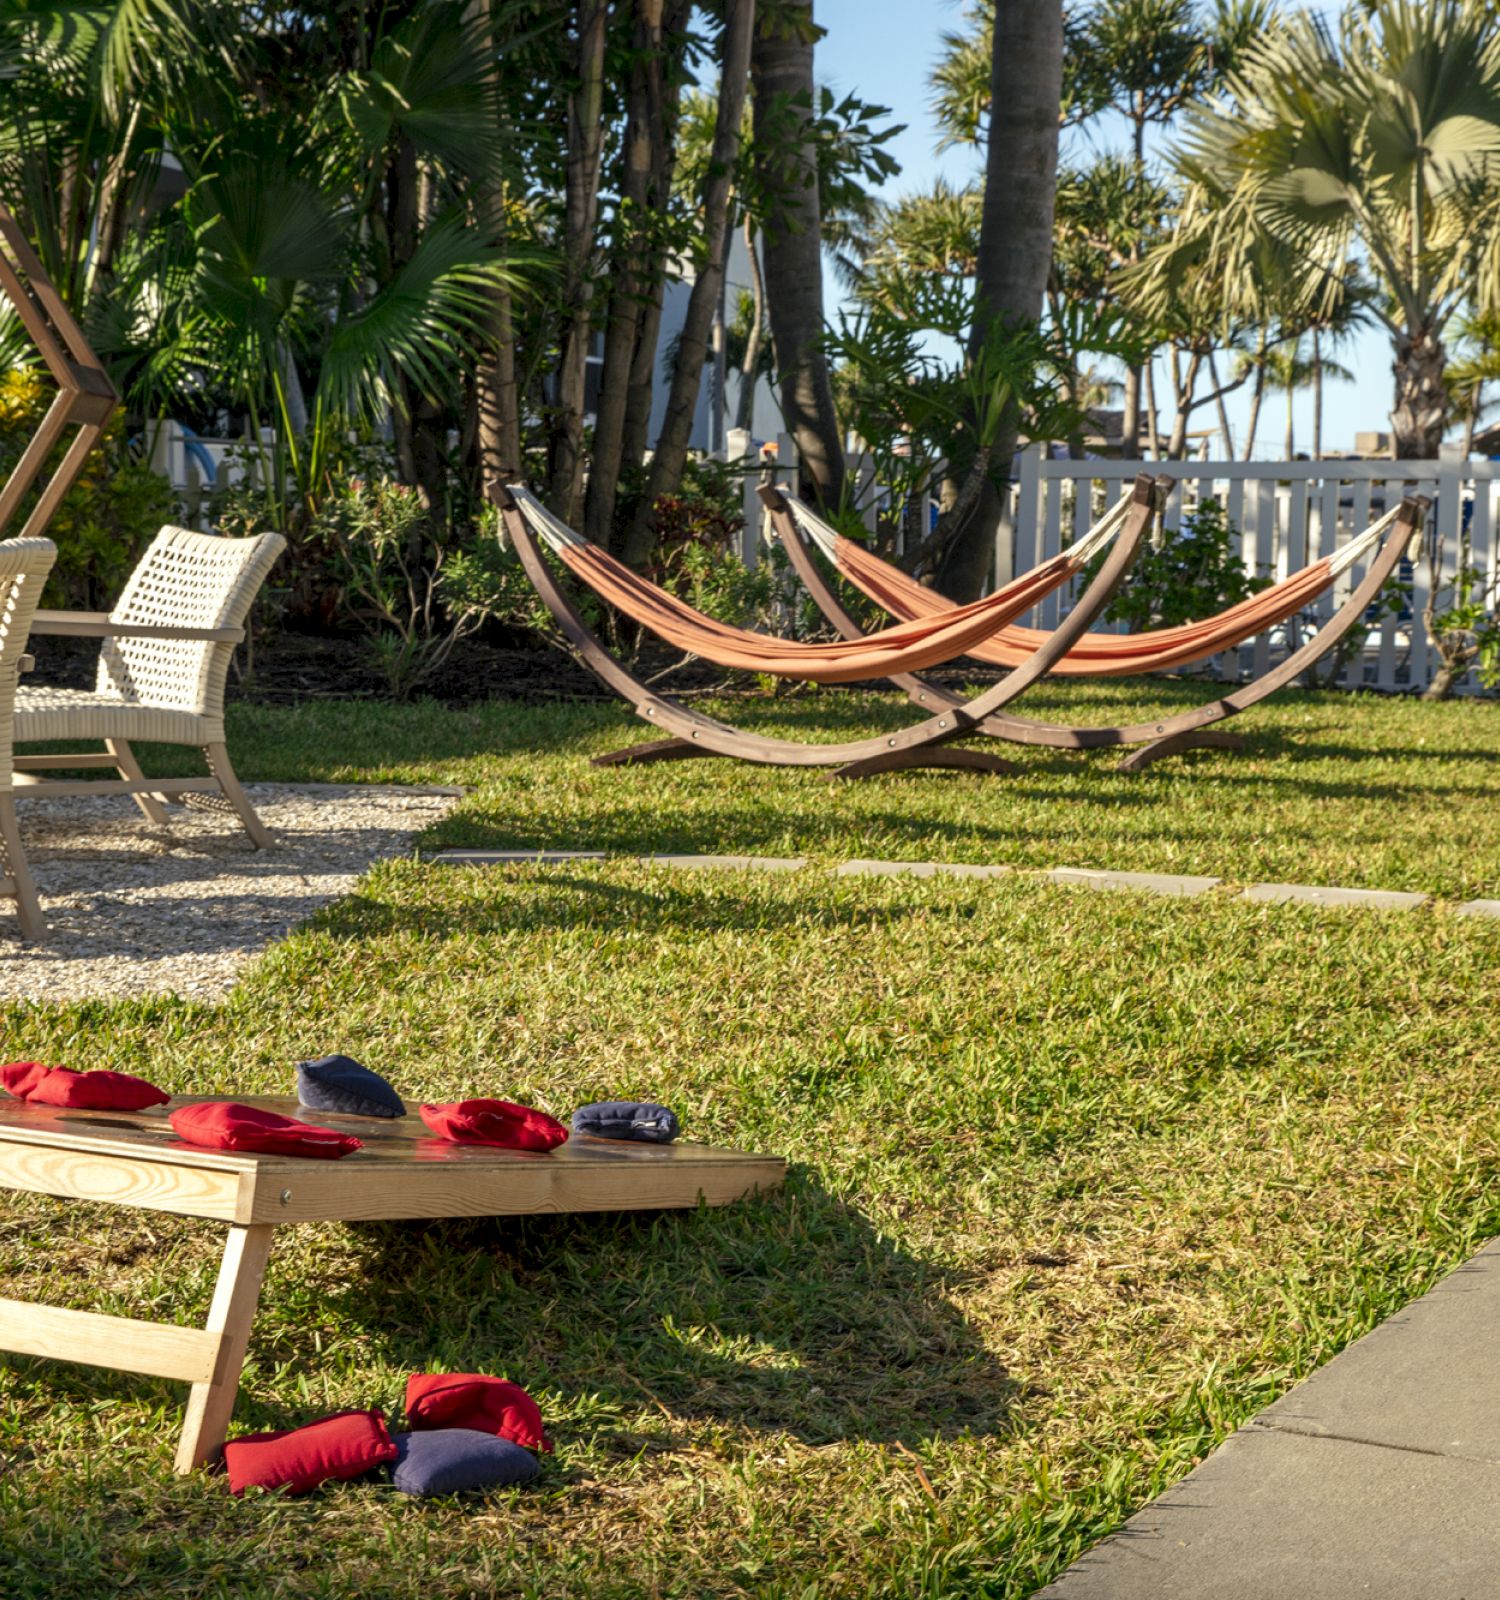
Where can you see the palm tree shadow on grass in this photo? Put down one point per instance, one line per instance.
(788, 1312)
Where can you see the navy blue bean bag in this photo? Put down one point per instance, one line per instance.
(450, 1460)
(637, 1120)
(340, 1084)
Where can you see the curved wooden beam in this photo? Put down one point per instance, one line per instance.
(85, 396)
(1171, 735)
(921, 744)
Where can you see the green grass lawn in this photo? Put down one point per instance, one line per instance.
(1333, 788)
(1078, 1181)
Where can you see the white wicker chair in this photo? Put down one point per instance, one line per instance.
(24, 565)
(162, 668)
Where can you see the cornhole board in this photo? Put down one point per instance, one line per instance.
(135, 1159)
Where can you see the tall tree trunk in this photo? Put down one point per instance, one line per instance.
(1420, 412)
(1015, 239)
(1291, 438)
(1130, 417)
(744, 404)
(1317, 387)
(637, 430)
(782, 68)
(497, 403)
(1224, 428)
(643, 375)
(580, 214)
(1153, 434)
(1184, 384)
(1257, 395)
(1476, 405)
(635, 216)
(703, 303)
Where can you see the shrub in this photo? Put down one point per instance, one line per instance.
(412, 599)
(1184, 576)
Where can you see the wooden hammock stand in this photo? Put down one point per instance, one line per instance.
(928, 743)
(1187, 730)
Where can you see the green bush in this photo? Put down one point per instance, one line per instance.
(414, 600)
(1184, 576)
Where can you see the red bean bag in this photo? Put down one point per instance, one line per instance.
(223, 1125)
(498, 1122)
(298, 1459)
(21, 1077)
(471, 1400)
(82, 1091)
(96, 1091)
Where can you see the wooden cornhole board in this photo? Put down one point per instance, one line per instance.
(135, 1159)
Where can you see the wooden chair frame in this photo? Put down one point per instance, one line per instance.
(85, 396)
(928, 743)
(1187, 730)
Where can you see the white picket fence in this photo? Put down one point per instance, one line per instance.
(1287, 514)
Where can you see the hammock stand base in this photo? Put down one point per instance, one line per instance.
(939, 755)
(1188, 730)
(1159, 749)
(928, 743)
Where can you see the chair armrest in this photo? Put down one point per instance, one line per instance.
(97, 625)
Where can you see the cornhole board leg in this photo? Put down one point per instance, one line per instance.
(210, 1359)
(236, 1295)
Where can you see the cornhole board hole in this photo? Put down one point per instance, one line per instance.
(135, 1159)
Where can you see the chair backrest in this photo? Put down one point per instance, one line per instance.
(184, 580)
(24, 566)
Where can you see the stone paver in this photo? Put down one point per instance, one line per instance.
(1278, 1516)
(921, 869)
(511, 858)
(1322, 895)
(1425, 1379)
(1479, 908)
(1148, 882)
(731, 863)
(1378, 1477)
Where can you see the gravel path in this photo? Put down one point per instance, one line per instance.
(136, 910)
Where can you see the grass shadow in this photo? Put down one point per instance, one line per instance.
(789, 1312)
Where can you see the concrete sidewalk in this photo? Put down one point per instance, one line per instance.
(1378, 1477)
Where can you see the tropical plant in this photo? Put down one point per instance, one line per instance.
(1188, 574)
(413, 609)
(1462, 616)
(919, 401)
(1474, 366)
(1378, 138)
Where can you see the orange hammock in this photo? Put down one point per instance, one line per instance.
(943, 634)
(1096, 655)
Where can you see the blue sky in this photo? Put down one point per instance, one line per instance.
(884, 49)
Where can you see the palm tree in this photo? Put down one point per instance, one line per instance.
(670, 455)
(1293, 368)
(1383, 138)
(787, 171)
(1015, 252)
(334, 247)
(1477, 365)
